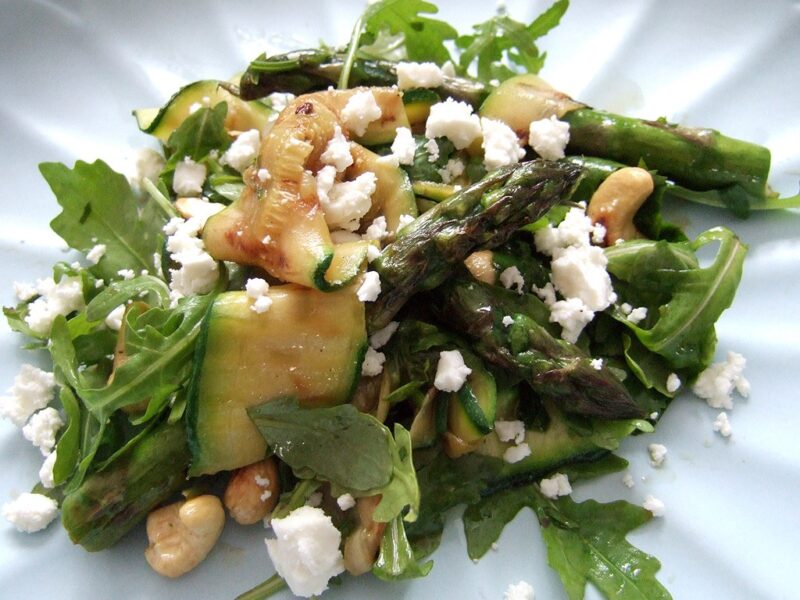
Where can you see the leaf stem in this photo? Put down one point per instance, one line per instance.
(350, 57)
(160, 199)
(271, 586)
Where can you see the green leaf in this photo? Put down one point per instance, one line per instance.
(99, 207)
(340, 444)
(200, 133)
(586, 543)
(69, 443)
(484, 521)
(424, 37)
(403, 489)
(153, 289)
(396, 559)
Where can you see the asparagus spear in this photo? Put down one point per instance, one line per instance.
(485, 214)
(111, 502)
(305, 71)
(555, 368)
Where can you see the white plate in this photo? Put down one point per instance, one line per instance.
(71, 72)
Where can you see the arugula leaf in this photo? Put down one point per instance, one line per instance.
(337, 444)
(424, 37)
(99, 207)
(69, 443)
(403, 489)
(504, 47)
(484, 521)
(200, 133)
(396, 559)
(586, 542)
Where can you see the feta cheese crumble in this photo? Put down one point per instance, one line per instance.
(555, 486)
(404, 147)
(148, 164)
(673, 383)
(198, 271)
(377, 230)
(404, 221)
(188, 178)
(54, 299)
(455, 121)
(500, 144)
(654, 505)
(263, 175)
(24, 291)
(257, 290)
(637, 315)
(126, 274)
(433, 150)
(306, 550)
(370, 287)
(717, 383)
(32, 391)
(344, 203)
(243, 151)
(549, 137)
(519, 591)
(510, 430)
(658, 452)
(30, 512)
(114, 319)
(361, 110)
(722, 425)
(337, 152)
(373, 362)
(381, 337)
(418, 75)
(511, 277)
(453, 169)
(96, 253)
(451, 372)
(346, 502)
(41, 429)
(508, 321)
(597, 363)
(514, 454)
(46, 470)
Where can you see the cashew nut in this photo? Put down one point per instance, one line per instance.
(481, 265)
(361, 546)
(182, 534)
(616, 201)
(252, 492)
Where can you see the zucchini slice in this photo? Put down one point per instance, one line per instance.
(418, 102)
(242, 116)
(308, 344)
(471, 410)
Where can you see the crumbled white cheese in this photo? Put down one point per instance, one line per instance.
(500, 144)
(381, 337)
(377, 230)
(627, 480)
(573, 315)
(637, 315)
(673, 383)
(148, 165)
(344, 203)
(654, 505)
(54, 299)
(96, 253)
(306, 550)
(625, 308)
(658, 452)
(510, 430)
(519, 591)
(188, 178)
(451, 372)
(126, 274)
(24, 291)
(511, 277)
(580, 272)
(361, 110)
(508, 321)
(46, 470)
(41, 429)
(574, 230)
(32, 390)
(549, 137)
(373, 362)
(30, 512)
(114, 319)
(418, 75)
(257, 290)
(337, 152)
(453, 169)
(454, 120)
(597, 363)
(555, 486)
(653, 415)
(346, 502)
(198, 271)
(404, 221)
(514, 454)
(243, 151)
(449, 69)
(279, 100)
(717, 383)
(373, 252)
(722, 425)
(263, 175)
(404, 146)
(370, 287)
(433, 150)
(547, 293)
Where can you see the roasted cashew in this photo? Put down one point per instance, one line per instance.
(182, 534)
(361, 546)
(616, 201)
(252, 492)
(481, 266)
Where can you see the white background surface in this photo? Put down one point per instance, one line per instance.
(71, 73)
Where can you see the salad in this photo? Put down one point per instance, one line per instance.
(375, 283)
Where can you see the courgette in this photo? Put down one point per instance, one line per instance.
(418, 102)
(308, 344)
(472, 409)
(241, 116)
